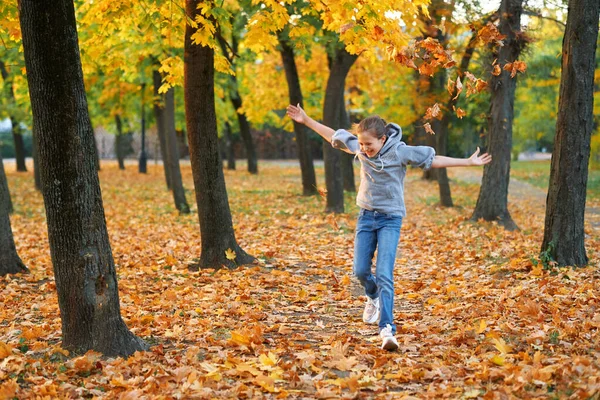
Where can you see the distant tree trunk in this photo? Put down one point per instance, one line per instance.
(84, 269)
(119, 144)
(229, 147)
(565, 204)
(16, 129)
(160, 124)
(143, 161)
(236, 100)
(441, 143)
(216, 227)
(307, 168)
(341, 63)
(10, 262)
(173, 154)
(347, 159)
(492, 204)
(6, 203)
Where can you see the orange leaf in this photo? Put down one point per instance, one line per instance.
(428, 129)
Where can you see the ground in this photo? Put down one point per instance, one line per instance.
(478, 315)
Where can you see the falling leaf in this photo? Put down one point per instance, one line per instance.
(428, 129)
(459, 112)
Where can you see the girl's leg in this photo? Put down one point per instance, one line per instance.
(388, 236)
(365, 243)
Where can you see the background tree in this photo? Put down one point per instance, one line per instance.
(15, 123)
(565, 204)
(492, 203)
(10, 262)
(82, 260)
(216, 227)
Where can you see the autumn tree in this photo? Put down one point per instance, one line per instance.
(159, 117)
(307, 168)
(82, 260)
(565, 204)
(492, 203)
(16, 124)
(219, 246)
(230, 48)
(10, 262)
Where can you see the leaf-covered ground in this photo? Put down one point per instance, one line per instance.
(477, 316)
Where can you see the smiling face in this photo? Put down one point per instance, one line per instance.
(369, 143)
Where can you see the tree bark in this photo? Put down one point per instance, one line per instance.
(341, 63)
(159, 115)
(84, 269)
(10, 262)
(119, 144)
(36, 164)
(216, 227)
(173, 154)
(565, 204)
(16, 129)
(236, 101)
(307, 168)
(492, 203)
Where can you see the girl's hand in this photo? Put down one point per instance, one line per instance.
(297, 114)
(478, 160)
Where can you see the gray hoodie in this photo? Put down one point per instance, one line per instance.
(382, 176)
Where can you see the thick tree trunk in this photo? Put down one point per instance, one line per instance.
(173, 154)
(119, 144)
(10, 262)
(216, 227)
(82, 259)
(492, 204)
(340, 66)
(36, 164)
(229, 146)
(96, 153)
(309, 180)
(16, 129)
(159, 115)
(565, 204)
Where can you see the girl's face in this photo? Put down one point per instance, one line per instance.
(369, 144)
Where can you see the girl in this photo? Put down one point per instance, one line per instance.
(383, 158)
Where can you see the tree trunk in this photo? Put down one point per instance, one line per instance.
(236, 100)
(143, 161)
(10, 262)
(565, 204)
(309, 180)
(173, 154)
(6, 202)
(36, 165)
(82, 259)
(492, 204)
(340, 66)
(96, 153)
(229, 147)
(159, 115)
(216, 227)
(119, 145)
(347, 159)
(16, 129)
(440, 127)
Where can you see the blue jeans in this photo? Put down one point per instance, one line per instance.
(381, 231)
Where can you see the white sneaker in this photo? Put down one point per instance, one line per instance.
(389, 341)
(371, 313)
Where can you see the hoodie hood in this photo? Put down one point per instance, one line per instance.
(394, 135)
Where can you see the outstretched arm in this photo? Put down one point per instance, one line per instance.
(297, 114)
(474, 160)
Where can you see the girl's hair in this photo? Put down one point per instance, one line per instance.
(373, 124)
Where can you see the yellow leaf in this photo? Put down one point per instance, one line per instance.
(265, 382)
(501, 346)
(269, 360)
(230, 254)
(240, 338)
(481, 327)
(498, 359)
